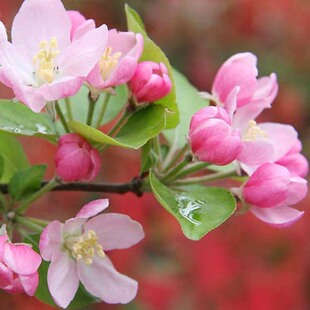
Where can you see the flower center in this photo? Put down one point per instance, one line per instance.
(43, 61)
(254, 132)
(84, 247)
(108, 62)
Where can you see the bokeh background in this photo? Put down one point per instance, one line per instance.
(244, 264)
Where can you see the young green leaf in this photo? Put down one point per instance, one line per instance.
(13, 155)
(189, 102)
(152, 52)
(25, 182)
(199, 210)
(16, 118)
(141, 127)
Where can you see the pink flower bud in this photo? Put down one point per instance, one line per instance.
(272, 185)
(75, 159)
(150, 81)
(211, 137)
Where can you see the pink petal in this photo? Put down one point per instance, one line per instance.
(93, 208)
(82, 55)
(74, 226)
(95, 165)
(30, 283)
(6, 276)
(40, 20)
(76, 20)
(266, 90)
(21, 258)
(297, 190)
(102, 280)
(50, 240)
(62, 279)
(87, 26)
(115, 231)
(238, 70)
(279, 217)
(3, 240)
(296, 163)
(256, 152)
(283, 137)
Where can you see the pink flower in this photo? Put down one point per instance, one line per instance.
(75, 159)
(76, 251)
(240, 71)
(211, 137)
(150, 82)
(270, 191)
(18, 266)
(119, 60)
(42, 64)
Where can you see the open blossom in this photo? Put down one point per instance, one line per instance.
(212, 138)
(18, 266)
(118, 62)
(77, 248)
(270, 191)
(240, 72)
(150, 82)
(76, 159)
(42, 64)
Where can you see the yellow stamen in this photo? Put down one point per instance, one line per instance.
(108, 62)
(84, 247)
(254, 132)
(43, 61)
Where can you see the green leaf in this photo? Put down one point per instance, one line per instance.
(16, 118)
(82, 297)
(189, 102)
(141, 127)
(199, 210)
(153, 52)
(79, 105)
(25, 182)
(1, 166)
(13, 156)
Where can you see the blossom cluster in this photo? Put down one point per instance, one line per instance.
(269, 153)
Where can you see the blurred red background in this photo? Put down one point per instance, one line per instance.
(244, 264)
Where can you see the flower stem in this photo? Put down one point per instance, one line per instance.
(68, 109)
(191, 169)
(91, 109)
(177, 156)
(206, 178)
(103, 109)
(26, 203)
(27, 223)
(62, 118)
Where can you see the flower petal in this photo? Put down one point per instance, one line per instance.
(6, 276)
(30, 283)
(74, 226)
(281, 216)
(102, 280)
(115, 231)
(40, 20)
(50, 240)
(297, 190)
(21, 258)
(93, 208)
(62, 279)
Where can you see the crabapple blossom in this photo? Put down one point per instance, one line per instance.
(77, 248)
(18, 266)
(211, 137)
(270, 191)
(240, 72)
(76, 159)
(150, 82)
(42, 64)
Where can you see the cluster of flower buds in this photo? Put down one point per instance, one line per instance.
(268, 152)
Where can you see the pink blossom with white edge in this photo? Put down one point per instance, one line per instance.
(239, 71)
(76, 159)
(77, 248)
(18, 266)
(211, 137)
(270, 191)
(42, 64)
(150, 82)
